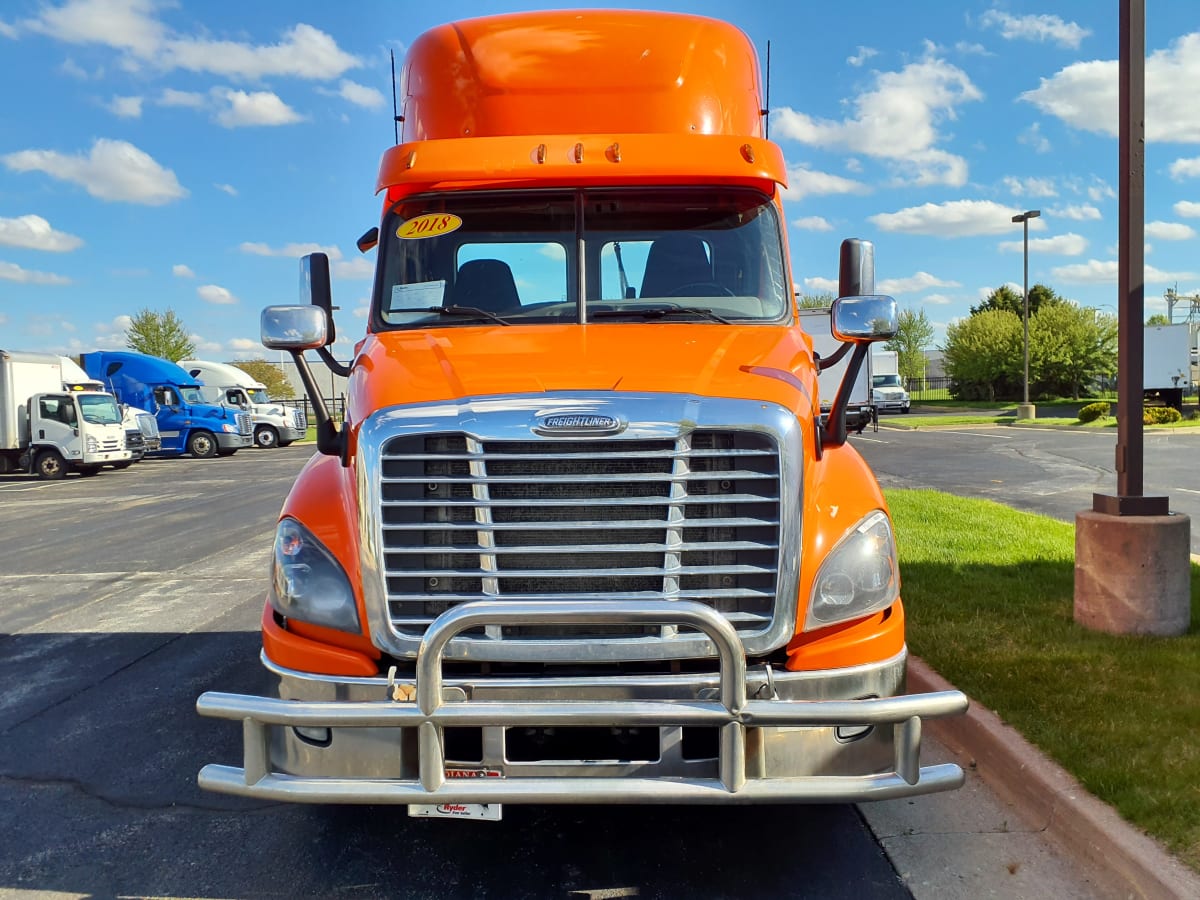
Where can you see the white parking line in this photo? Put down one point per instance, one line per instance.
(989, 434)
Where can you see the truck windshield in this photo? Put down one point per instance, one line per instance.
(886, 381)
(650, 254)
(258, 395)
(99, 409)
(193, 395)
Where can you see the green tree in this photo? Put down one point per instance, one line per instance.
(815, 301)
(159, 334)
(278, 387)
(984, 355)
(1007, 298)
(1158, 319)
(914, 334)
(1070, 348)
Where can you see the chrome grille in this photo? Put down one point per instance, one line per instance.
(299, 420)
(695, 517)
(245, 424)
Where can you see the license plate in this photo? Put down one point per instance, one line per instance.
(487, 811)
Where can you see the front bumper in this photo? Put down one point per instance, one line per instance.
(228, 441)
(834, 736)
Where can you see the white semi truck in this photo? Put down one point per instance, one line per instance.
(275, 425)
(50, 431)
(1166, 365)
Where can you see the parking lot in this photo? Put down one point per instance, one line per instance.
(128, 594)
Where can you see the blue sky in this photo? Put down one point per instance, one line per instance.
(183, 154)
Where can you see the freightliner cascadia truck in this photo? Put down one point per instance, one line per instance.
(581, 536)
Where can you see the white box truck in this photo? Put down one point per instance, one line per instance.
(141, 428)
(1166, 365)
(275, 425)
(50, 431)
(859, 413)
(887, 387)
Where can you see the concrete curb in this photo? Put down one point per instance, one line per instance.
(1088, 830)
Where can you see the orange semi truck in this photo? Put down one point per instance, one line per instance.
(582, 536)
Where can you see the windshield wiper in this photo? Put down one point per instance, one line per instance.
(660, 312)
(473, 312)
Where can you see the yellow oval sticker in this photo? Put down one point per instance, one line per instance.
(428, 225)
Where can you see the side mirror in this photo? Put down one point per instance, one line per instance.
(296, 328)
(315, 290)
(871, 318)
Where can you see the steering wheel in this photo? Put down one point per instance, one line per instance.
(701, 289)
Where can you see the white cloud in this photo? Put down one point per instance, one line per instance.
(226, 188)
(1030, 187)
(179, 270)
(956, 218)
(897, 120)
(289, 251)
(1060, 245)
(1082, 213)
(804, 182)
(812, 223)
(864, 53)
(130, 26)
(13, 272)
(257, 108)
(921, 281)
(822, 285)
(239, 345)
(113, 170)
(1185, 168)
(1085, 95)
(1100, 191)
(7, 30)
(122, 24)
(1041, 28)
(1187, 209)
(187, 99)
(1096, 271)
(126, 107)
(1033, 137)
(304, 52)
(212, 293)
(936, 300)
(35, 233)
(1169, 231)
(358, 267)
(361, 95)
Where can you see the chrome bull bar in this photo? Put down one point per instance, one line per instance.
(731, 712)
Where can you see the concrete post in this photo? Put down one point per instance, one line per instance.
(1133, 573)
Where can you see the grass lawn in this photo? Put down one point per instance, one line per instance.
(989, 593)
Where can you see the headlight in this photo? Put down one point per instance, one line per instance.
(229, 429)
(92, 445)
(858, 577)
(307, 583)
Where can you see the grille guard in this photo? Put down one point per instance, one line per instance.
(732, 712)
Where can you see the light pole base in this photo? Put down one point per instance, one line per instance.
(1133, 573)
(1026, 411)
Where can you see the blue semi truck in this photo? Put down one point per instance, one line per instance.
(185, 422)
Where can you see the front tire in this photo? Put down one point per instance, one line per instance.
(50, 465)
(89, 470)
(122, 465)
(202, 445)
(266, 437)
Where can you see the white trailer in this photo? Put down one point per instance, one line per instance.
(1166, 364)
(49, 430)
(275, 425)
(859, 411)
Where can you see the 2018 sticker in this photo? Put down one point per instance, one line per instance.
(427, 226)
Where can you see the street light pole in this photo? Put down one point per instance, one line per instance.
(1026, 411)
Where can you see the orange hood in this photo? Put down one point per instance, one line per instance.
(763, 362)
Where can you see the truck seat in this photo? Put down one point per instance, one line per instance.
(486, 284)
(675, 260)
